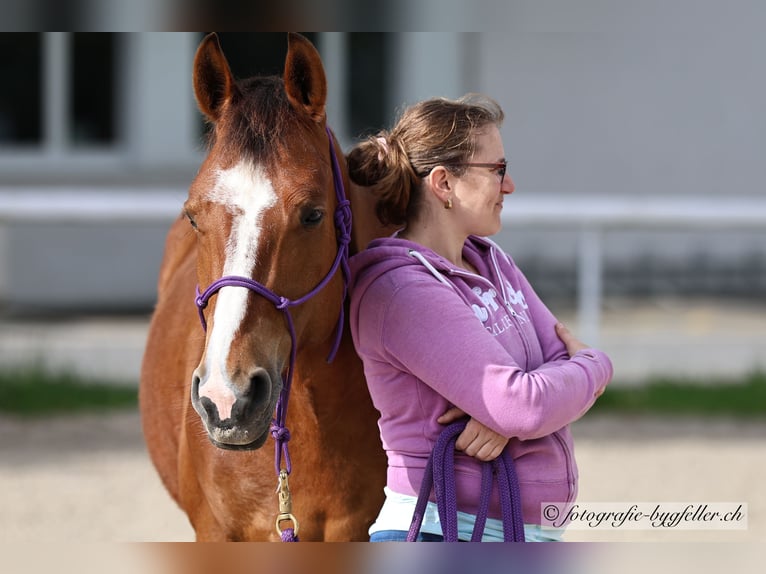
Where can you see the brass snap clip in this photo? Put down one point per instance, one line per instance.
(285, 504)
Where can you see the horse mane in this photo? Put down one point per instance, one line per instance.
(258, 115)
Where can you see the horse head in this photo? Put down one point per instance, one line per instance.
(262, 208)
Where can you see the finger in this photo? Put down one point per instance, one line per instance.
(488, 455)
(562, 332)
(496, 453)
(491, 450)
(472, 449)
(451, 415)
(466, 439)
(482, 444)
(570, 341)
(484, 453)
(464, 442)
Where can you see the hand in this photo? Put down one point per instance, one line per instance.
(573, 345)
(476, 440)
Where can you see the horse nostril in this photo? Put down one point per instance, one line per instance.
(254, 396)
(211, 410)
(260, 387)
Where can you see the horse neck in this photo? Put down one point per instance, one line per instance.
(329, 389)
(366, 225)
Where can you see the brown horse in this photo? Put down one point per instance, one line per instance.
(260, 211)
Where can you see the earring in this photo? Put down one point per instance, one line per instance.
(448, 203)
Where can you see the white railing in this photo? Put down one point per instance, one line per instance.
(591, 216)
(97, 205)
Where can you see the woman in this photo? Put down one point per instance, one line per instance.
(447, 326)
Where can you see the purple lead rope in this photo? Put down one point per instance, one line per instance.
(440, 474)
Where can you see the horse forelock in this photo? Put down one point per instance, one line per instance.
(258, 122)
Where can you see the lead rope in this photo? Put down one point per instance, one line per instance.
(440, 474)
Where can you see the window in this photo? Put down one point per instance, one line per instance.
(58, 90)
(368, 79)
(21, 96)
(92, 97)
(257, 53)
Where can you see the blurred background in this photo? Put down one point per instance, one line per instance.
(636, 137)
(635, 134)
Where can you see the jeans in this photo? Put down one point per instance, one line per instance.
(401, 536)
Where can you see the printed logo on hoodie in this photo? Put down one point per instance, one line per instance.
(490, 307)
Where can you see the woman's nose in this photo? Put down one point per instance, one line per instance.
(507, 186)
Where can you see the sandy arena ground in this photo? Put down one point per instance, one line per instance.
(88, 478)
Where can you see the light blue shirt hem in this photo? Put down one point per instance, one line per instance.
(397, 511)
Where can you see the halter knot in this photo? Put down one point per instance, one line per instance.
(283, 304)
(279, 433)
(200, 301)
(343, 221)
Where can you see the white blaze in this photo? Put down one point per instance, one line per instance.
(246, 193)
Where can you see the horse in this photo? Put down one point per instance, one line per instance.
(258, 241)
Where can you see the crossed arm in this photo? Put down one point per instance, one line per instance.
(483, 443)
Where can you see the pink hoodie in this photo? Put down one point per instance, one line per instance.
(432, 336)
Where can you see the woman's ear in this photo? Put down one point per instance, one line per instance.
(440, 183)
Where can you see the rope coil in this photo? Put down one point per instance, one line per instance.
(440, 474)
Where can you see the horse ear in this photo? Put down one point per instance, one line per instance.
(213, 81)
(304, 77)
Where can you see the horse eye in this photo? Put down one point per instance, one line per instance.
(191, 220)
(312, 217)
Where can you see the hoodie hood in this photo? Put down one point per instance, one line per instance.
(393, 253)
(387, 253)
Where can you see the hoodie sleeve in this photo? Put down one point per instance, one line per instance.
(426, 329)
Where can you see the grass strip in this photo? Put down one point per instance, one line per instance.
(32, 392)
(740, 398)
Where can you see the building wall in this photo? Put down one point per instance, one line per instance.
(643, 99)
(109, 264)
(620, 100)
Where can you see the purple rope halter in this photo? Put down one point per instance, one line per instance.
(440, 473)
(343, 230)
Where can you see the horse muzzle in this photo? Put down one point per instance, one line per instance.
(237, 414)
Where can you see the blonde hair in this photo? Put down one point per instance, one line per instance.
(430, 133)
